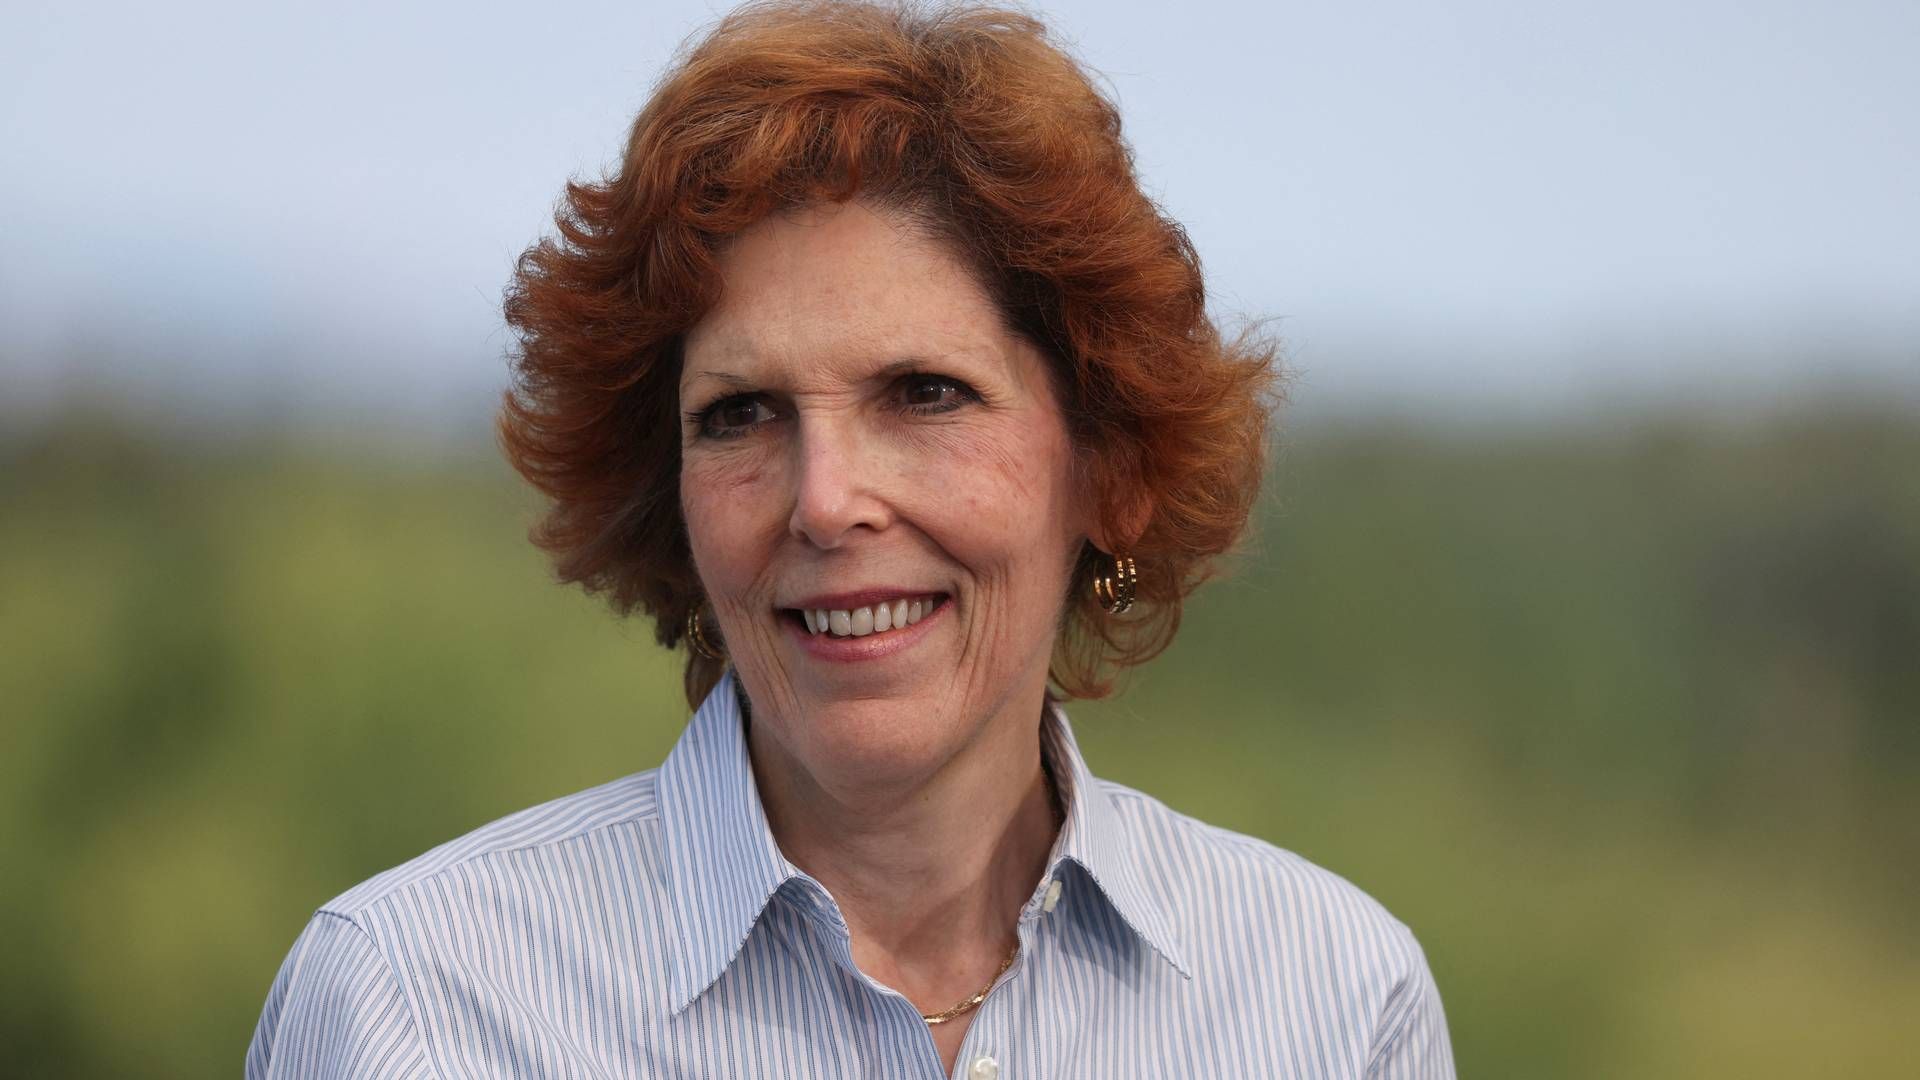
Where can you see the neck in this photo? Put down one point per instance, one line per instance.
(930, 877)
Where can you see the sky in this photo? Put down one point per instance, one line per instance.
(226, 210)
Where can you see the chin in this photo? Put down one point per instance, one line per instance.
(868, 739)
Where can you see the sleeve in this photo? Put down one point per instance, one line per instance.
(1413, 1043)
(336, 1011)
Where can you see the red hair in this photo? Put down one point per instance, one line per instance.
(990, 136)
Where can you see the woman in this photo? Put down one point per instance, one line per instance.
(873, 378)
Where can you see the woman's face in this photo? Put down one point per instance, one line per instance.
(864, 438)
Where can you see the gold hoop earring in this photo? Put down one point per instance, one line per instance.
(1116, 590)
(697, 638)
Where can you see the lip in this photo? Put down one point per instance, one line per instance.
(847, 650)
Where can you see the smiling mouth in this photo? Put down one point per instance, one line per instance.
(881, 618)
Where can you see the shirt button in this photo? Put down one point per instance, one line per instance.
(1053, 896)
(984, 1068)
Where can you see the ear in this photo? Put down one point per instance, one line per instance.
(1114, 524)
(1117, 529)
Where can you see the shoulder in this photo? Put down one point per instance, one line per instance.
(336, 1009)
(1269, 933)
(525, 836)
(1259, 912)
(1208, 858)
(418, 942)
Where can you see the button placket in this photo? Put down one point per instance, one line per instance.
(989, 1025)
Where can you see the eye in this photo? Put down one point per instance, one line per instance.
(934, 393)
(731, 416)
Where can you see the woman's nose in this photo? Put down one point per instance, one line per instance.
(836, 486)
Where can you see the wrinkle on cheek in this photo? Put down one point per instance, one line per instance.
(1010, 456)
(724, 470)
(769, 684)
(1017, 484)
(994, 651)
(722, 498)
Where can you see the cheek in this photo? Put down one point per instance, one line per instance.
(1003, 491)
(722, 501)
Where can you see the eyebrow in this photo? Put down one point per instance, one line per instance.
(906, 365)
(724, 376)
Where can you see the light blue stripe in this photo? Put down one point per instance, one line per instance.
(651, 928)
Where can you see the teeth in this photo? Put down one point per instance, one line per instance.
(861, 622)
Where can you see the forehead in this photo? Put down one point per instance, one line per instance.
(850, 284)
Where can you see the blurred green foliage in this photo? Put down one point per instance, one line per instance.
(1624, 723)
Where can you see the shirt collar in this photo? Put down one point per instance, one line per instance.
(724, 865)
(1096, 838)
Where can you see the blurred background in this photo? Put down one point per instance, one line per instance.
(1581, 624)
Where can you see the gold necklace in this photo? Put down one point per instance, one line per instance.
(972, 1002)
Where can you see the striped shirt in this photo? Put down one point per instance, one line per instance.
(651, 927)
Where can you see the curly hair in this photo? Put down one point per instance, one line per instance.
(973, 122)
